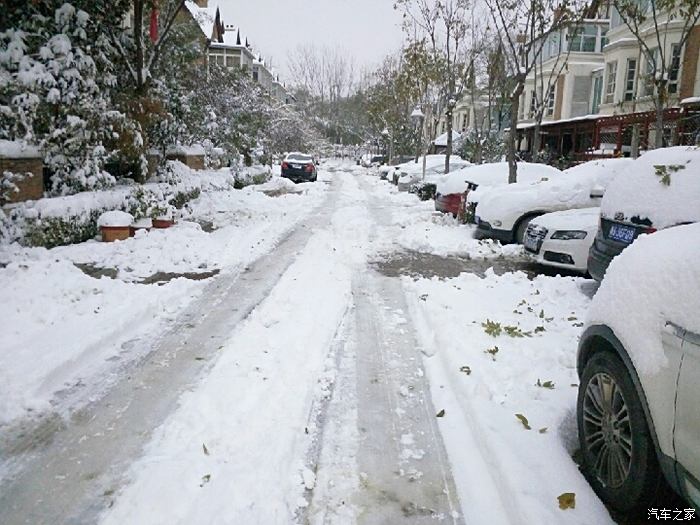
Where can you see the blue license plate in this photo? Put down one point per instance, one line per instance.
(621, 233)
(531, 244)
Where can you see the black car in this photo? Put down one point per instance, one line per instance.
(299, 167)
(613, 236)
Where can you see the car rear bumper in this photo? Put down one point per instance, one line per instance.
(599, 256)
(485, 231)
(299, 177)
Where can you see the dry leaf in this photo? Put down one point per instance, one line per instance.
(524, 421)
(567, 501)
(441, 413)
(205, 449)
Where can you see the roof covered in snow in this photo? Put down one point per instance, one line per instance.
(16, 149)
(204, 16)
(442, 139)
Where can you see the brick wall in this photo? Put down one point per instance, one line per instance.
(31, 187)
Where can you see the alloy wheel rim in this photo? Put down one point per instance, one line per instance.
(607, 430)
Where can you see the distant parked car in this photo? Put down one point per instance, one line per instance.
(412, 172)
(562, 238)
(639, 362)
(659, 190)
(505, 211)
(452, 188)
(299, 167)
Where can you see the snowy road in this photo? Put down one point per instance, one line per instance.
(233, 417)
(317, 385)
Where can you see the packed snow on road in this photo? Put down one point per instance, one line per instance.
(350, 389)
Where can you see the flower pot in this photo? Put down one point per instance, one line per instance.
(141, 224)
(115, 233)
(163, 223)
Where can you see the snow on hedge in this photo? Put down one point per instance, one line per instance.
(655, 280)
(15, 149)
(663, 185)
(493, 174)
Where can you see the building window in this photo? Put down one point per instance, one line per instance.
(611, 73)
(533, 104)
(550, 101)
(630, 79)
(219, 59)
(583, 39)
(675, 69)
(650, 70)
(255, 75)
(597, 93)
(464, 122)
(603, 38)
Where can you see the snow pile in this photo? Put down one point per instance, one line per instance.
(195, 150)
(501, 360)
(493, 174)
(663, 185)
(278, 186)
(115, 219)
(564, 192)
(655, 280)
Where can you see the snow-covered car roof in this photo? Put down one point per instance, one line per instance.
(493, 174)
(432, 163)
(570, 190)
(653, 281)
(663, 186)
(584, 219)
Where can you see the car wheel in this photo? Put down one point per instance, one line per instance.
(619, 458)
(522, 228)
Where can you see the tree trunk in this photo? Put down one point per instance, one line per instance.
(448, 152)
(660, 102)
(536, 141)
(635, 142)
(513, 133)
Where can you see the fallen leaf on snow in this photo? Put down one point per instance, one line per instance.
(567, 501)
(524, 421)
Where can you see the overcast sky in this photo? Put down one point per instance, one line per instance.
(367, 29)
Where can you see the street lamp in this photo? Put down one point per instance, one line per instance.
(417, 118)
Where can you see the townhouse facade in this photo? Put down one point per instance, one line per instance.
(227, 47)
(605, 89)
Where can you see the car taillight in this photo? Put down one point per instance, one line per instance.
(648, 230)
(285, 165)
(309, 168)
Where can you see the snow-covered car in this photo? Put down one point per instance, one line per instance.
(639, 362)
(660, 189)
(368, 161)
(412, 172)
(562, 238)
(452, 188)
(505, 212)
(299, 167)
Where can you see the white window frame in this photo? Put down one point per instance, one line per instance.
(610, 81)
(630, 90)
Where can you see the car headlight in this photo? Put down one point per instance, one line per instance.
(568, 235)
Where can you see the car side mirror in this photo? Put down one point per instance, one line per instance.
(597, 192)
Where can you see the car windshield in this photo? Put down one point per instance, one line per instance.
(299, 157)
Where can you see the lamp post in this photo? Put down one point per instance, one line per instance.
(417, 118)
(390, 142)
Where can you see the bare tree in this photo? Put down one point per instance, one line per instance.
(444, 24)
(523, 27)
(139, 54)
(652, 23)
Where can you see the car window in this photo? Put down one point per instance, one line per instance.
(299, 158)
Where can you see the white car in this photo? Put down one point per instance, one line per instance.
(639, 362)
(451, 188)
(412, 172)
(562, 238)
(505, 212)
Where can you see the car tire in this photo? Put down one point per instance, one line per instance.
(521, 228)
(618, 453)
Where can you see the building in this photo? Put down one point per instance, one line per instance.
(226, 46)
(605, 89)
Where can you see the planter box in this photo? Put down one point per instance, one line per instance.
(162, 223)
(115, 233)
